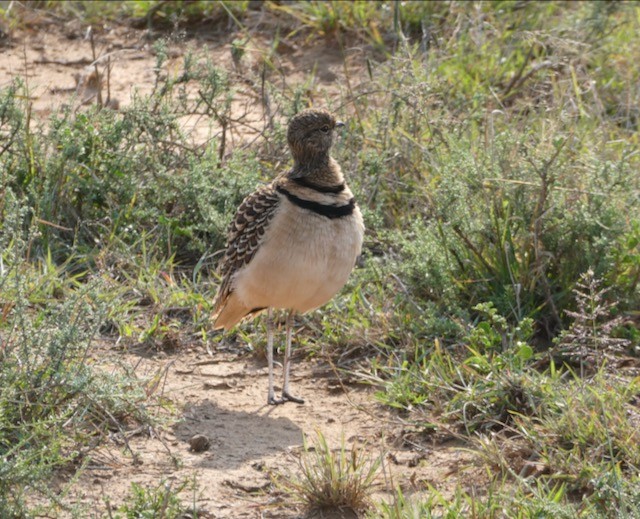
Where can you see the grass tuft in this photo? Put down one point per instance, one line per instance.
(161, 502)
(332, 479)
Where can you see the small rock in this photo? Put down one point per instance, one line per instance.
(199, 443)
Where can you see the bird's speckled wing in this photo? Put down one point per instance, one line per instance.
(244, 236)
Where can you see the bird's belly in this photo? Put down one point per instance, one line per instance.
(303, 264)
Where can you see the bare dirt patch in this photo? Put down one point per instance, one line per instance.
(59, 63)
(223, 399)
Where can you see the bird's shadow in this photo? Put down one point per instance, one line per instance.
(236, 437)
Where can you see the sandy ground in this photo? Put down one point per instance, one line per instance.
(59, 64)
(221, 395)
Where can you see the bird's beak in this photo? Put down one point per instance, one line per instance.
(340, 124)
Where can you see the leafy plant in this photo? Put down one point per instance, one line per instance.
(161, 502)
(590, 338)
(522, 502)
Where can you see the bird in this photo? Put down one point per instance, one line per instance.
(293, 242)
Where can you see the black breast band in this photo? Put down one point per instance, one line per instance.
(329, 211)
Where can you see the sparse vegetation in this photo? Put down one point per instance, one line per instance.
(493, 147)
(333, 480)
(161, 502)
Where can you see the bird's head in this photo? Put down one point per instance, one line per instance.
(311, 134)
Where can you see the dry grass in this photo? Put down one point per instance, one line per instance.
(332, 480)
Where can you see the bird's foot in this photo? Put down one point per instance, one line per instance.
(272, 400)
(286, 396)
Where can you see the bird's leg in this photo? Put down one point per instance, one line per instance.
(271, 398)
(287, 363)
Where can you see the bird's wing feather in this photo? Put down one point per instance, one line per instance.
(244, 236)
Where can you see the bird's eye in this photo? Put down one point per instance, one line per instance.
(325, 129)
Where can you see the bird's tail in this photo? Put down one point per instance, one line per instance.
(231, 312)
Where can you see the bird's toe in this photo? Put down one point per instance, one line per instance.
(286, 396)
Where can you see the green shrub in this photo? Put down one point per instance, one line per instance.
(100, 175)
(55, 405)
(519, 238)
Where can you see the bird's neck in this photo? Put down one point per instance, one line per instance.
(322, 171)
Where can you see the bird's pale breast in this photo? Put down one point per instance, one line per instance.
(304, 261)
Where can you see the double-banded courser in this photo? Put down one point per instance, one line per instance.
(293, 242)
